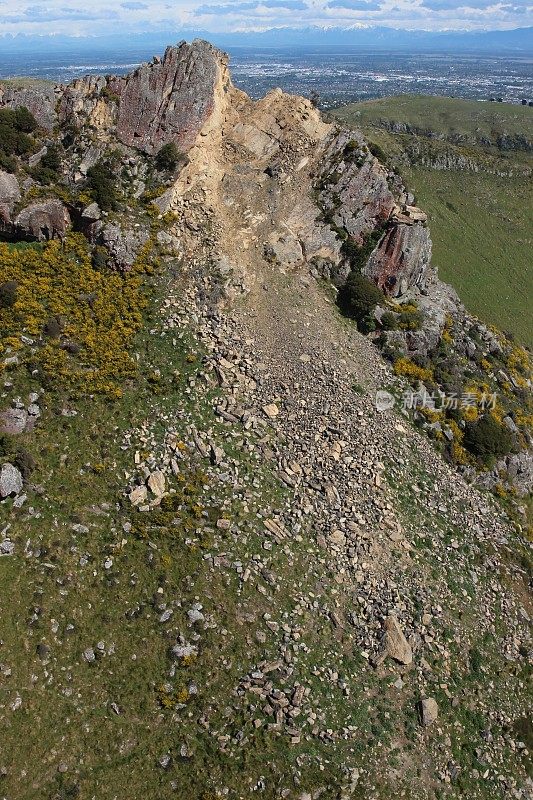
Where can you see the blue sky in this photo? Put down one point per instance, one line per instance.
(81, 17)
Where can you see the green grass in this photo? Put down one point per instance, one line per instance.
(482, 239)
(450, 117)
(480, 221)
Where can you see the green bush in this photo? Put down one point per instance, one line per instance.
(24, 120)
(411, 320)
(15, 125)
(378, 152)
(358, 254)
(102, 185)
(48, 169)
(8, 294)
(25, 462)
(488, 439)
(359, 297)
(389, 321)
(100, 257)
(168, 158)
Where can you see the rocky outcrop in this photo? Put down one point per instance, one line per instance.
(85, 102)
(9, 195)
(39, 97)
(10, 481)
(357, 192)
(123, 243)
(168, 100)
(171, 99)
(42, 221)
(401, 259)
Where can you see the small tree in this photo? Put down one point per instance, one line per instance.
(487, 439)
(101, 181)
(168, 158)
(359, 297)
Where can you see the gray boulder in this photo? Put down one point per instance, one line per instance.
(9, 194)
(10, 480)
(43, 221)
(123, 244)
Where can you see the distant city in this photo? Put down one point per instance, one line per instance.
(338, 74)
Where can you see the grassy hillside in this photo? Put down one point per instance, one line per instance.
(480, 221)
(444, 116)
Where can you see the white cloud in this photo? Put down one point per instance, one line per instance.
(78, 17)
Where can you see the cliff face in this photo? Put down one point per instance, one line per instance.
(169, 99)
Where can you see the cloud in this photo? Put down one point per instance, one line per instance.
(238, 8)
(446, 5)
(175, 17)
(355, 5)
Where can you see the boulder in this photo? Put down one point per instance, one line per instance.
(13, 421)
(10, 481)
(9, 194)
(156, 483)
(430, 711)
(123, 243)
(138, 495)
(395, 644)
(43, 221)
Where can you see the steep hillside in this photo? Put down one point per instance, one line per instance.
(469, 165)
(228, 570)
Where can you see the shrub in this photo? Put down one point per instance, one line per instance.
(101, 182)
(97, 312)
(358, 254)
(48, 169)
(377, 152)
(52, 328)
(408, 369)
(359, 296)
(8, 294)
(487, 439)
(6, 445)
(389, 321)
(100, 257)
(411, 318)
(15, 124)
(25, 462)
(24, 120)
(168, 158)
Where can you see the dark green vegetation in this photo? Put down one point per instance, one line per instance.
(469, 165)
(101, 182)
(15, 139)
(168, 158)
(487, 439)
(358, 297)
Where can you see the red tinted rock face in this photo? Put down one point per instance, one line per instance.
(401, 258)
(169, 100)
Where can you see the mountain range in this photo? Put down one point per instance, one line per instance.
(519, 40)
